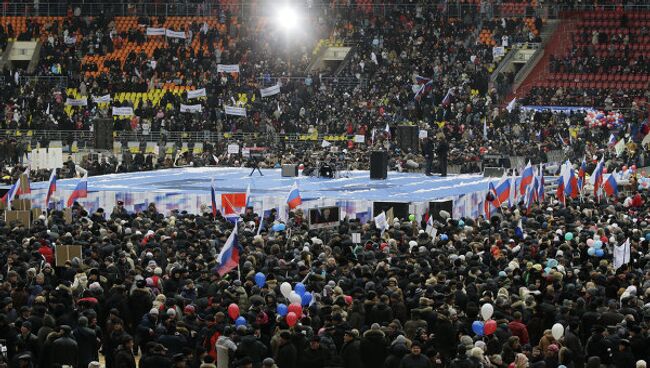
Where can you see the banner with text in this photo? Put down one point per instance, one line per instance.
(271, 91)
(173, 34)
(196, 94)
(156, 31)
(233, 110)
(191, 108)
(76, 101)
(122, 111)
(102, 99)
(228, 68)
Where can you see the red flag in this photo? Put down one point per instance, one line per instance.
(231, 202)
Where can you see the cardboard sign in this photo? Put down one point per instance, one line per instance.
(64, 253)
(21, 204)
(359, 138)
(233, 148)
(22, 217)
(356, 238)
(67, 215)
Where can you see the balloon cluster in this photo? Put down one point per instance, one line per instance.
(488, 327)
(598, 119)
(278, 227)
(595, 247)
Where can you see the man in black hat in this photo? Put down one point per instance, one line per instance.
(597, 344)
(315, 356)
(351, 350)
(287, 355)
(623, 356)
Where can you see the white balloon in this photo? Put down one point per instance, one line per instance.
(285, 289)
(294, 298)
(486, 311)
(557, 330)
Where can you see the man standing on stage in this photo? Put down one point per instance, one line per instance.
(442, 149)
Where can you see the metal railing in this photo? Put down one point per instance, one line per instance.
(45, 80)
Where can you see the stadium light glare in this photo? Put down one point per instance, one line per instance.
(287, 18)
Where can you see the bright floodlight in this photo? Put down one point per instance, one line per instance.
(286, 17)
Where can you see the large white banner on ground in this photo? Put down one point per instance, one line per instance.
(102, 99)
(76, 101)
(156, 31)
(122, 111)
(233, 110)
(196, 93)
(191, 108)
(228, 68)
(173, 34)
(270, 91)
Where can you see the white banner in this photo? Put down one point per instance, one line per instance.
(196, 94)
(156, 31)
(122, 111)
(76, 101)
(273, 90)
(191, 108)
(70, 40)
(173, 34)
(422, 134)
(102, 99)
(233, 110)
(359, 138)
(228, 68)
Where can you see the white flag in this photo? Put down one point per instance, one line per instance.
(621, 254)
(228, 68)
(511, 105)
(271, 91)
(191, 108)
(620, 147)
(196, 93)
(325, 144)
(233, 110)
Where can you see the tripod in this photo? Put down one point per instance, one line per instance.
(255, 167)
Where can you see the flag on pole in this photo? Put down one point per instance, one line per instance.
(596, 178)
(526, 178)
(582, 172)
(213, 198)
(380, 222)
(51, 187)
(81, 191)
(387, 131)
(610, 187)
(293, 199)
(511, 105)
(11, 194)
(248, 196)
(519, 230)
(430, 229)
(228, 258)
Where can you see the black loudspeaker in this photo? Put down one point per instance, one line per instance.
(289, 170)
(103, 134)
(408, 138)
(378, 165)
(436, 207)
(400, 209)
(493, 172)
(326, 171)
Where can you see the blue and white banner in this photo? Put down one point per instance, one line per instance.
(76, 101)
(173, 34)
(228, 68)
(191, 108)
(122, 111)
(557, 108)
(156, 31)
(71, 40)
(196, 93)
(271, 91)
(102, 99)
(233, 110)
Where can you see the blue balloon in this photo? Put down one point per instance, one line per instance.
(282, 227)
(591, 251)
(240, 321)
(647, 236)
(260, 279)
(282, 309)
(600, 252)
(477, 327)
(598, 244)
(275, 227)
(547, 270)
(306, 298)
(300, 289)
(461, 223)
(444, 237)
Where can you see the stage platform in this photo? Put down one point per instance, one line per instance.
(189, 189)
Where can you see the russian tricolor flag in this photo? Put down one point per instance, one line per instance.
(11, 194)
(81, 191)
(526, 178)
(540, 182)
(610, 186)
(559, 191)
(51, 187)
(597, 176)
(293, 199)
(582, 172)
(229, 256)
(502, 191)
(570, 181)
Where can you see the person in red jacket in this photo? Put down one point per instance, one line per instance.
(518, 328)
(46, 252)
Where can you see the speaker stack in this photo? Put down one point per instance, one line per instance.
(379, 165)
(103, 134)
(408, 138)
(289, 171)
